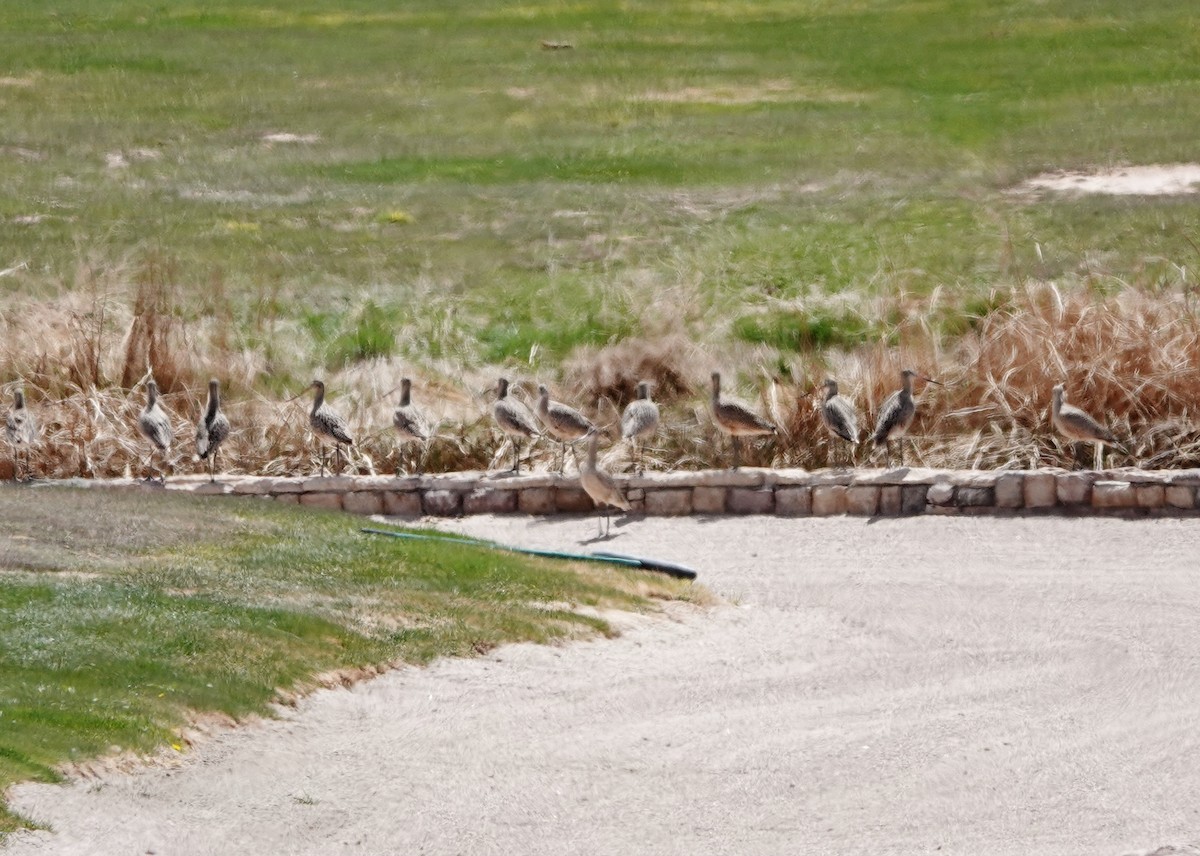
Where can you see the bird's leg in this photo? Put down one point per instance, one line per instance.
(562, 456)
(1098, 457)
(737, 450)
(516, 457)
(901, 444)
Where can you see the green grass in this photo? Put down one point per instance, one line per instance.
(755, 149)
(122, 615)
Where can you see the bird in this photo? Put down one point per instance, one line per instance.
(839, 415)
(327, 424)
(565, 424)
(736, 419)
(155, 427)
(514, 420)
(212, 429)
(1079, 427)
(896, 414)
(639, 422)
(21, 430)
(600, 486)
(411, 422)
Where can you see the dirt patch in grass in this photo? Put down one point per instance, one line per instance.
(1152, 180)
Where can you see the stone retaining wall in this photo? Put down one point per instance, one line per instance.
(785, 493)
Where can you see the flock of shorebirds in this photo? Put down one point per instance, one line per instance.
(558, 421)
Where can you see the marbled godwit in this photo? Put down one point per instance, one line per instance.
(1079, 427)
(411, 422)
(155, 427)
(327, 424)
(565, 424)
(600, 486)
(840, 417)
(21, 430)
(639, 421)
(212, 429)
(896, 414)
(736, 419)
(514, 420)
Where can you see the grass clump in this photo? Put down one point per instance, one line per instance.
(125, 616)
(804, 331)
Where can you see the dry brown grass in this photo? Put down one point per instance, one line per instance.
(1132, 359)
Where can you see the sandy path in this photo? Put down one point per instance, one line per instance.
(994, 692)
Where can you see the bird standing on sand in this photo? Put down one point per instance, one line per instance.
(1079, 427)
(212, 429)
(896, 415)
(565, 424)
(327, 424)
(155, 427)
(411, 422)
(21, 431)
(514, 420)
(736, 419)
(840, 417)
(600, 486)
(639, 422)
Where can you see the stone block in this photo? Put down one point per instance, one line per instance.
(442, 503)
(1010, 490)
(1180, 496)
(402, 503)
(1151, 495)
(914, 498)
(975, 497)
(669, 502)
(890, 500)
(940, 494)
(212, 489)
(791, 478)
(1041, 490)
(1074, 488)
(572, 500)
(708, 500)
(793, 501)
(536, 500)
(287, 485)
(828, 499)
(363, 502)
(287, 498)
(326, 484)
(1113, 494)
(485, 500)
(862, 500)
(322, 499)
(254, 487)
(745, 500)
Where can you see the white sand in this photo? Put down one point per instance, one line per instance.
(958, 686)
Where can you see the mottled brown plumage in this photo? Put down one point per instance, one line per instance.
(599, 485)
(639, 422)
(212, 429)
(514, 420)
(22, 432)
(736, 419)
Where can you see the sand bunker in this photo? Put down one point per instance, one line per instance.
(1156, 180)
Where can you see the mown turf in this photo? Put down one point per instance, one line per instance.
(122, 615)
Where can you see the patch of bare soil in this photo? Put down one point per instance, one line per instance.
(1154, 180)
